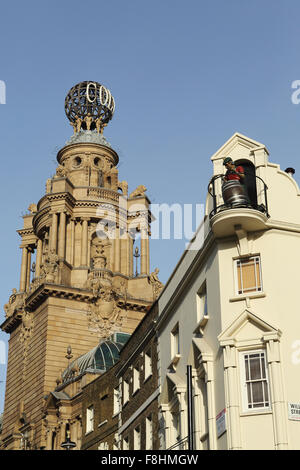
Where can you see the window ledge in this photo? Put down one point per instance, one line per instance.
(135, 391)
(102, 424)
(255, 295)
(89, 432)
(201, 324)
(175, 361)
(255, 412)
(148, 377)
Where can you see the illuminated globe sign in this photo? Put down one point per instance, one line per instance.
(89, 105)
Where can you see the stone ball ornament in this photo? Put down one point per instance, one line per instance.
(88, 106)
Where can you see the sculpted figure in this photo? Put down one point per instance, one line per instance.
(73, 124)
(60, 171)
(157, 285)
(50, 267)
(88, 121)
(32, 208)
(78, 122)
(98, 124)
(139, 191)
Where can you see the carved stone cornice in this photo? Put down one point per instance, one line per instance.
(25, 232)
(62, 197)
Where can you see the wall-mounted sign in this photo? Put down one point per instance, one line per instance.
(294, 411)
(221, 422)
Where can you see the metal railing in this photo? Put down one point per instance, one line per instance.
(263, 207)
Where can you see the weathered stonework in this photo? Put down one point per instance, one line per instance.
(82, 290)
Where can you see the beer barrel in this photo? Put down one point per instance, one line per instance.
(233, 193)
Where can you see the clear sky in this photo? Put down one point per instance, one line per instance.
(185, 77)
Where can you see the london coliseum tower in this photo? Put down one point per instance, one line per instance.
(78, 282)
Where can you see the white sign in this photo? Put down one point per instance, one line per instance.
(294, 411)
(221, 422)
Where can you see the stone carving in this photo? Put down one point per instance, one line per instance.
(50, 267)
(157, 285)
(16, 302)
(139, 191)
(27, 326)
(93, 284)
(100, 251)
(61, 171)
(73, 124)
(78, 122)
(48, 185)
(88, 121)
(32, 208)
(104, 315)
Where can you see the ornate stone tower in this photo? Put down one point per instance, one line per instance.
(82, 285)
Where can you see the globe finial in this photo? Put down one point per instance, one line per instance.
(89, 106)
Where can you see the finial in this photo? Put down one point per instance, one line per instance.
(69, 353)
(89, 106)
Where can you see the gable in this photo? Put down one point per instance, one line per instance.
(237, 147)
(247, 327)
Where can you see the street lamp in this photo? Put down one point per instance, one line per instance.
(68, 444)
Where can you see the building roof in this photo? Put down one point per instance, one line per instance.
(99, 359)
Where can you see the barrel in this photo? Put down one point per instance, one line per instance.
(233, 193)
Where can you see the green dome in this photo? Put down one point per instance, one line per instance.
(99, 359)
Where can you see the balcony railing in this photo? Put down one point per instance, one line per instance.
(262, 206)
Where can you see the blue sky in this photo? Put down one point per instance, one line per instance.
(185, 77)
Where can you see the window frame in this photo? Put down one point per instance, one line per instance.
(243, 382)
(147, 364)
(257, 289)
(90, 419)
(175, 341)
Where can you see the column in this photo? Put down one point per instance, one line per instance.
(39, 253)
(147, 255)
(211, 411)
(166, 416)
(62, 235)
(279, 406)
(29, 251)
(144, 256)
(130, 256)
(53, 232)
(117, 250)
(72, 240)
(49, 439)
(231, 397)
(84, 242)
(23, 269)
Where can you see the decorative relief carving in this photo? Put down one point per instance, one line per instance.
(104, 315)
(100, 253)
(49, 269)
(16, 302)
(26, 329)
(61, 171)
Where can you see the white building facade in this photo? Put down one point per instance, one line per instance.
(230, 309)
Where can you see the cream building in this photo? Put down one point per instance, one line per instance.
(230, 310)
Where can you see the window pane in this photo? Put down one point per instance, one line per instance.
(248, 275)
(255, 367)
(257, 392)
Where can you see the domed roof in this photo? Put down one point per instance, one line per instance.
(99, 359)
